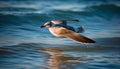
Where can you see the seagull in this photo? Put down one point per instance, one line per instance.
(59, 28)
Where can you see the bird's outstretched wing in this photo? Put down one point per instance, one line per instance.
(63, 21)
(75, 36)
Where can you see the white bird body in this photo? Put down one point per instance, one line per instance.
(55, 32)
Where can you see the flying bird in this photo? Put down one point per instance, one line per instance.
(59, 28)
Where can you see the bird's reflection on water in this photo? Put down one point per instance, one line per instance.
(34, 56)
(57, 60)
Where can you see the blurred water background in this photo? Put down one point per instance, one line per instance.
(23, 45)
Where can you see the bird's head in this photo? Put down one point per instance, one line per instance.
(47, 24)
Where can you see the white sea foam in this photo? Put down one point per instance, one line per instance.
(74, 7)
(19, 12)
(4, 4)
(45, 7)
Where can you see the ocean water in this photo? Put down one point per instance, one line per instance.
(24, 45)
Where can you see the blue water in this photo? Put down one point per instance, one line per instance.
(23, 45)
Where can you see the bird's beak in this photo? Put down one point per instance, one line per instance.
(42, 26)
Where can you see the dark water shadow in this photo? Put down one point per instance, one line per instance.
(113, 41)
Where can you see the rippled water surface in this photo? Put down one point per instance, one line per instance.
(23, 45)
